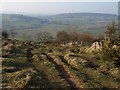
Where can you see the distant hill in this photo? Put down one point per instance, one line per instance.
(84, 21)
(94, 23)
(14, 21)
(84, 18)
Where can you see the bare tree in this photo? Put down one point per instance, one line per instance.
(73, 36)
(44, 37)
(62, 37)
(86, 38)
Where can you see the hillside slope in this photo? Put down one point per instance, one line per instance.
(14, 21)
(93, 23)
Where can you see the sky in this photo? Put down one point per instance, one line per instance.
(59, 0)
(59, 7)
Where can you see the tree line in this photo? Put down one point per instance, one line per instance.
(62, 37)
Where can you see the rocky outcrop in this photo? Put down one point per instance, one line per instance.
(96, 46)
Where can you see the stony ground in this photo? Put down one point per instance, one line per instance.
(33, 65)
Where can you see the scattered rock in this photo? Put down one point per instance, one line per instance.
(103, 70)
(69, 55)
(114, 72)
(7, 47)
(10, 69)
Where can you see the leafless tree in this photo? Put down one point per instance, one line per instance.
(86, 38)
(62, 37)
(44, 36)
(73, 36)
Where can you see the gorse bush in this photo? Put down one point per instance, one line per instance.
(117, 49)
(110, 54)
(5, 34)
(111, 49)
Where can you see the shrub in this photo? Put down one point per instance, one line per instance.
(58, 49)
(5, 34)
(111, 49)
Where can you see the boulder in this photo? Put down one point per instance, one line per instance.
(96, 46)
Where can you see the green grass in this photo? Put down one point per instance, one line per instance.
(45, 74)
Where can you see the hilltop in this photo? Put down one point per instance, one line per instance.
(28, 64)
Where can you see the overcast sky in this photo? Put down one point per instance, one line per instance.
(59, 7)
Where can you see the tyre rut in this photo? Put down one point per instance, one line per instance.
(65, 73)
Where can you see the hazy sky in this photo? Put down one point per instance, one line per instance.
(59, 0)
(60, 7)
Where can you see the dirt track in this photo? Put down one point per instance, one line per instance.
(74, 83)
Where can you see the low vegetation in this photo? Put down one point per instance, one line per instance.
(62, 63)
